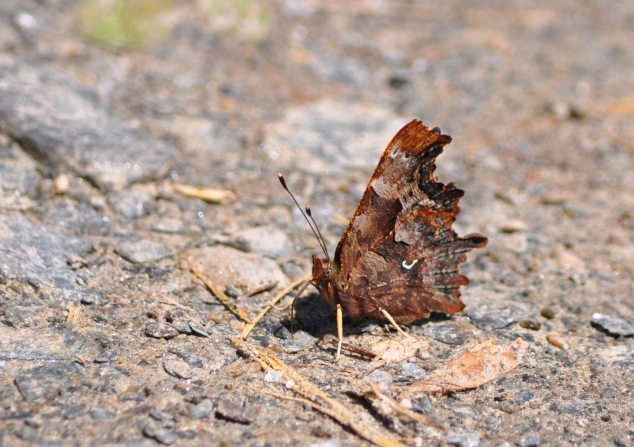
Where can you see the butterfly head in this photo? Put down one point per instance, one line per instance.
(324, 279)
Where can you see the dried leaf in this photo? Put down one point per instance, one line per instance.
(395, 350)
(211, 195)
(479, 365)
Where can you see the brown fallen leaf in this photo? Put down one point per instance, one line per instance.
(479, 365)
(395, 350)
(211, 195)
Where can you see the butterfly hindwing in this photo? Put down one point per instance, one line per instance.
(399, 251)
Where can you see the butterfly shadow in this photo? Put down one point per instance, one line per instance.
(316, 317)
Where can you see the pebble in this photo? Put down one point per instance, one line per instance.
(266, 240)
(280, 331)
(155, 329)
(382, 378)
(142, 251)
(198, 330)
(556, 339)
(412, 370)
(299, 342)
(528, 323)
(613, 325)
(494, 316)
(422, 405)
(450, 333)
(202, 410)
(547, 313)
(106, 357)
(177, 368)
(273, 376)
(232, 412)
(523, 396)
(131, 203)
(462, 438)
(169, 226)
(226, 265)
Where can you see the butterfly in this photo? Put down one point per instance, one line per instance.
(398, 258)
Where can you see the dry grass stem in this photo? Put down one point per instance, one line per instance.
(263, 288)
(224, 299)
(320, 401)
(247, 330)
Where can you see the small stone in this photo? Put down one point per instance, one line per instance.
(160, 330)
(494, 316)
(547, 313)
(612, 325)
(182, 326)
(142, 251)
(61, 184)
(609, 393)
(131, 204)
(101, 414)
(422, 405)
(557, 339)
(528, 440)
(280, 331)
(164, 436)
(177, 368)
(230, 411)
(202, 410)
(382, 378)
(225, 265)
(413, 371)
(523, 396)
(298, 343)
(89, 297)
(232, 291)
(170, 226)
(273, 376)
(106, 357)
(462, 438)
(161, 416)
(527, 323)
(198, 330)
(450, 334)
(289, 384)
(266, 240)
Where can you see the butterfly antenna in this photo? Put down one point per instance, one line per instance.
(323, 241)
(317, 233)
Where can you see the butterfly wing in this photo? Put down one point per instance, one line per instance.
(399, 251)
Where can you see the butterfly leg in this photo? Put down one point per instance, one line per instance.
(391, 320)
(339, 330)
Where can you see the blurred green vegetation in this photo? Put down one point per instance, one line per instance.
(137, 23)
(125, 23)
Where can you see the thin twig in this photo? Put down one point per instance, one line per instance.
(171, 302)
(263, 288)
(224, 299)
(323, 403)
(247, 330)
(400, 409)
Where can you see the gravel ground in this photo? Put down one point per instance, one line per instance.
(107, 337)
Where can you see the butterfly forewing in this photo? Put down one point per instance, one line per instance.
(399, 251)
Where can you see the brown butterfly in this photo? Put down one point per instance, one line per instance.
(398, 259)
